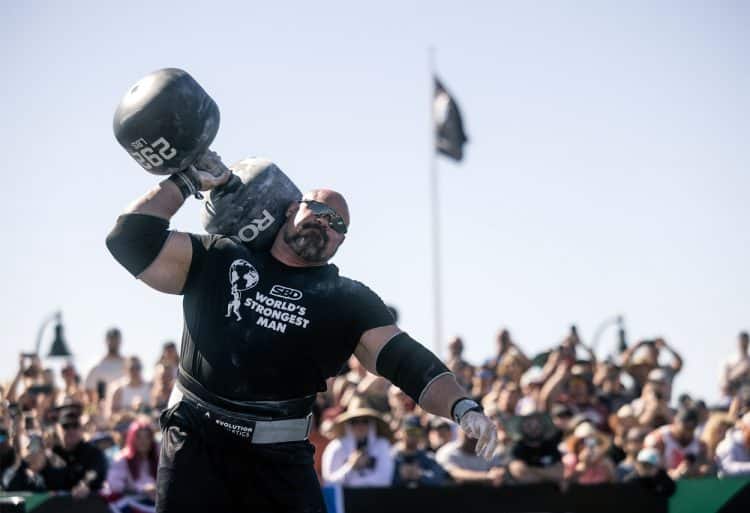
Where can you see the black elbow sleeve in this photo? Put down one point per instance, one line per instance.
(136, 240)
(409, 365)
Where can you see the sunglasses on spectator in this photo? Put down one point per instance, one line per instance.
(70, 425)
(359, 420)
(335, 221)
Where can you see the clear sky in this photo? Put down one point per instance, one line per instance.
(608, 168)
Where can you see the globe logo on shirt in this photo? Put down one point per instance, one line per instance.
(242, 275)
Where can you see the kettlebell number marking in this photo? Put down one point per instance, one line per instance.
(146, 156)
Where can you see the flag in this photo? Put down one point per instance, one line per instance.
(449, 129)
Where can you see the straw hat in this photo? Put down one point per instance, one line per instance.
(587, 430)
(357, 412)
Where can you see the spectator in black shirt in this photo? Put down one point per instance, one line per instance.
(535, 456)
(85, 465)
(650, 475)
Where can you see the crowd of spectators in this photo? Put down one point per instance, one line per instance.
(563, 416)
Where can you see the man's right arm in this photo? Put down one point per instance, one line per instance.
(141, 242)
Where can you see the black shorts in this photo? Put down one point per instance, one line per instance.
(203, 469)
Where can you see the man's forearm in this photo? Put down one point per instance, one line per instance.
(441, 395)
(164, 200)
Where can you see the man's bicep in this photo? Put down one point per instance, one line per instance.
(169, 271)
(370, 344)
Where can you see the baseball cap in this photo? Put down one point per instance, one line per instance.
(650, 456)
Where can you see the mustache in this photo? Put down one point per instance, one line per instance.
(315, 226)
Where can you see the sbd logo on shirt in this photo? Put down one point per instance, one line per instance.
(242, 276)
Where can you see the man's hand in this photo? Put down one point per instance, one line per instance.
(477, 425)
(358, 459)
(496, 475)
(210, 171)
(80, 491)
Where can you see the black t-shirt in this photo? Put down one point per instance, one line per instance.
(543, 455)
(85, 461)
(257, 329)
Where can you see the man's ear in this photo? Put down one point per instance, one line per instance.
(292, 209)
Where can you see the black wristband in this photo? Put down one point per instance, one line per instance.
(463, 406)
(186, 183)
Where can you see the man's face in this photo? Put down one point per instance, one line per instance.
(744, 343)
(685, 431)
(113, 343)
(71, 433)
(360, 427)
(310, 236)
(134, 368)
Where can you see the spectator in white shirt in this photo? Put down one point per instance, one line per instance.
(109, 369)
(360, 455)
(133, 391)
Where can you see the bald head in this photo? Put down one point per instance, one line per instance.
(331, 198)
(307, 237)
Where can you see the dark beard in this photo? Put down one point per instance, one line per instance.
(309, 243)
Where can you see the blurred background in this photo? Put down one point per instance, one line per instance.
(606, 172)
(594, 240)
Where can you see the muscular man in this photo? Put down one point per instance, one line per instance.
(263, 330)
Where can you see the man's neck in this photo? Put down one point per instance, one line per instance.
(113, 356)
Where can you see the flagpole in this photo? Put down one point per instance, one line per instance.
(435, 202)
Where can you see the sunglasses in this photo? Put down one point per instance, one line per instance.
(359, 420)
(335, 221)
(70, 425)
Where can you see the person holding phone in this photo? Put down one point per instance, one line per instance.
(361, 453)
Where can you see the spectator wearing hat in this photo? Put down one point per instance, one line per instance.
(109, 369)
(414, 466)
(535, 456)
(531, 383)
(681, 452)
(642, 358)
(733, 453)
(85, 465)
(460, 460)
(586, 461)
(360, 455)
(650, 475)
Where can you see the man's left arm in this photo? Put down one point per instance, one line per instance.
(389, 352)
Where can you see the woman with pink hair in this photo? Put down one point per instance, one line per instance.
(134, 470)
